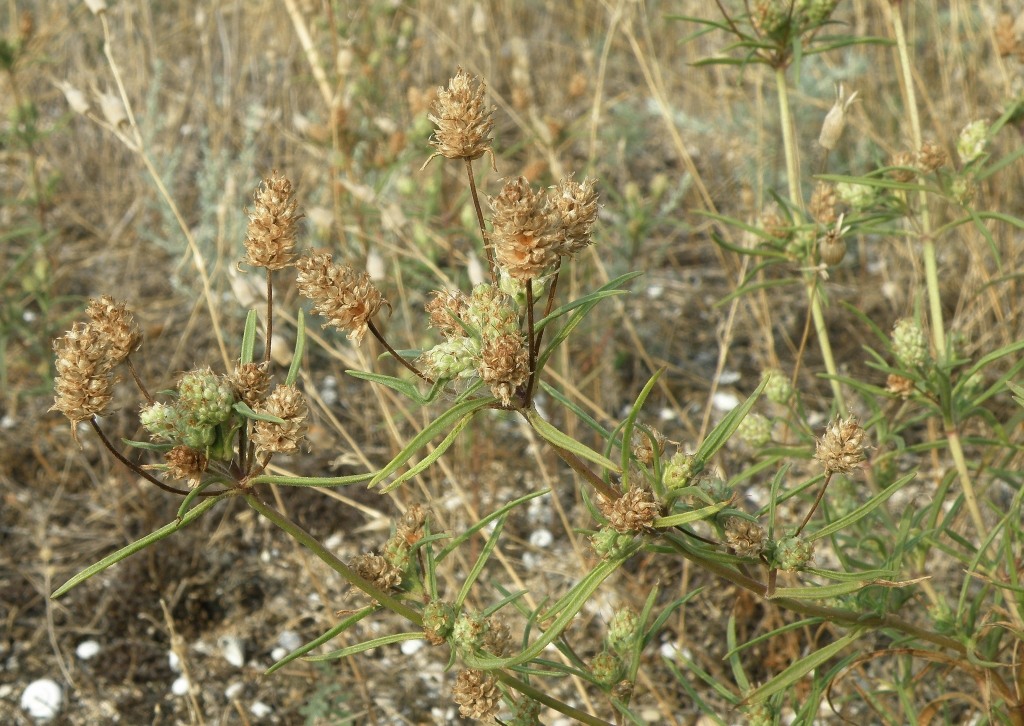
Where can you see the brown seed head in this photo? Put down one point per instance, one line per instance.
(463, 122)
(497, 638)
(288, 403)
(526, 232)
(84, 384)
(904, 159)
(774, 224)
(842, 446)
(899, 386)
(444, 308)
(746, 538)
(348, 299)
(115, 322)
(378, 570)
(273, 222)
(504, 364)
(477, 694)
(823, 203)
(186, 463)
(634, 511)
(576, 204)
(251, 382)
(931, 157)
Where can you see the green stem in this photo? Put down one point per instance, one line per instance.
(928, 246)
(957, 452)
(307, 540)
(796, 197)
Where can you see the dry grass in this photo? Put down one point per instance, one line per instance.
(226, 92)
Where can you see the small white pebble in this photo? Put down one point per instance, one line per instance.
(87, 649)
(180, 686)
(174, 662)
(42, 699)
(260, 709)
(668, 650)
(231, 649)
(667, 414)
(289, 639)
(7, 421)
(541, 538)
(728, 378)
(723, 401)
(655, 291)
(278, 653)
(234, 690)
(411, 646)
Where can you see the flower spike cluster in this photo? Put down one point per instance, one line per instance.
(348, 299)
(463, 121)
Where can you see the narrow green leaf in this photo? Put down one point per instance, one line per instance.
(627, 430)
(331, 634)
(428, 460)
(697, 515)
(243, 410)
(802, 667)
(300, 347)
(312, 481)
(719, 435)
(139, 544)
(553, 436)
(863, 510)
(481, 561)
(420, 440)
(457, 541)
(249, 337)
(365, 646)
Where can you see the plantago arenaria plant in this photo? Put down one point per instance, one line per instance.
(821, 549)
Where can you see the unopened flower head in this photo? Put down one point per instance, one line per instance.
(778, 389)
(679, 470)
(606, 668)
(462, 119)
(909, 344)
(273, 223)
(491, 313)
(84, 383)
(835, 119)
(576, 204)
(623, 630)
(348, 299)
(841, 449)
(115, 322)
(755, 430)
(856, 196)
(477, 694)
(634, 511)
(526, 234)
(971, 142)
(832, 246)
(287, 403)
(647, 444)
(498, 638)
(438, 621)
(207, 396)
(455, 357)
(792, 553)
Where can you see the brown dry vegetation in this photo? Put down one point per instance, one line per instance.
(226, 92)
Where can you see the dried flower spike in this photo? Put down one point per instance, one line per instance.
(842, 446)
(526, 232)
(477, 694)
(273, 221)
(835, 120)
(505, 365)
(115, 322)
(186, 463)
(348, 299)
(576, 203)
(84, 383)
(286, 402)
(462, 120)
(634, 511)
